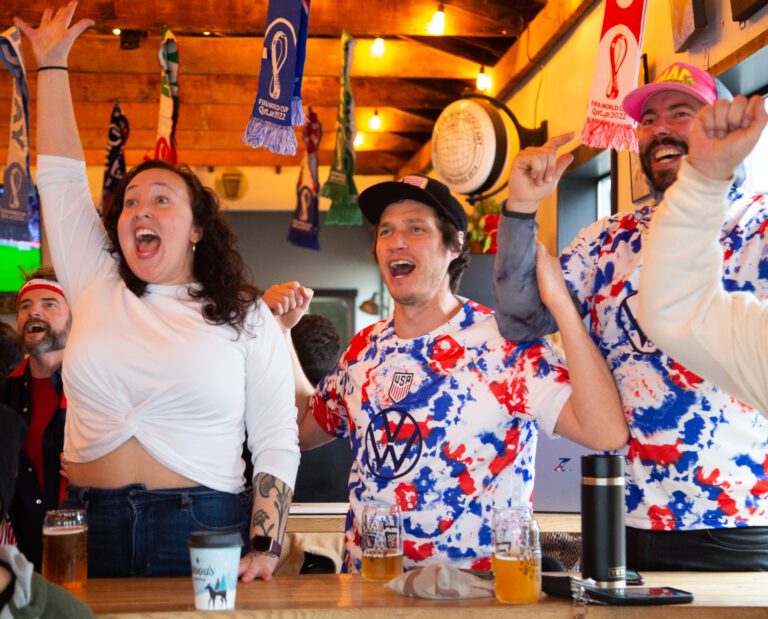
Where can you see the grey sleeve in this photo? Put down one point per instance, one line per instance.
(519, 311)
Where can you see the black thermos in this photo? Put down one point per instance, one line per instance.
(603, 554)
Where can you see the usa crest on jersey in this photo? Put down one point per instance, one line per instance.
(401, 385)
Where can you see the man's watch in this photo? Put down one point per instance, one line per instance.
(264, 543)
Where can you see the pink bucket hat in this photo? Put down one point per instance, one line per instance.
(678, 76)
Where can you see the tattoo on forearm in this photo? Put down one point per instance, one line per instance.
(268, 486)
(259, 521)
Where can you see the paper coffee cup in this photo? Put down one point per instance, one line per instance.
(215, 558)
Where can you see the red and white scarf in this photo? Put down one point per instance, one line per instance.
(616, 70)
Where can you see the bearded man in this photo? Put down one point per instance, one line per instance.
(34, 391)
(696, 494)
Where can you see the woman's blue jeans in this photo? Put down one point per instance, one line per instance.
(133, 531)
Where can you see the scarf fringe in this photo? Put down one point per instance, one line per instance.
(298, 119)
(344, 211)
(605, 134)
(344, 216)
(304, 238)
(279, 139)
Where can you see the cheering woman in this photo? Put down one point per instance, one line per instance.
(171, 358)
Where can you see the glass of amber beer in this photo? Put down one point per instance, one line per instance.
(516, 556)
(382, 542)
(65, 547)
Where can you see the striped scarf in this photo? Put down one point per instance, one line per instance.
(114, 170)
(165, 146)
(340, 186)
(306, 218)
(15, 201)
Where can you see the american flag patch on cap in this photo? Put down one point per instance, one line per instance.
(418, 181)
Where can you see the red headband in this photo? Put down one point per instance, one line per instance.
(39, 284)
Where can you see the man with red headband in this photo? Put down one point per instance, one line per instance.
(34, 390)
(697, 480)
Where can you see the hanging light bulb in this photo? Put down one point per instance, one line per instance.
(374, 123)
(359, 139)
(116, 31)
(377, 49)
(483, 80)
(436, 25)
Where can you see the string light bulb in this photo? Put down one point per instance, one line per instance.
(116, 31)
(483, 80)
(374, 123)
(436, 25)
(377, 49)
(206, 33)
(359, 139)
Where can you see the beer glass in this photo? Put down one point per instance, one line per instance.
(516, 556)
(382, 542)
(65, 547)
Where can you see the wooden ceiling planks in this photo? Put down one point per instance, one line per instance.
(408, 86)
(246, 17)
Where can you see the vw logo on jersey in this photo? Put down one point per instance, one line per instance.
(631, 328)
(393, 444)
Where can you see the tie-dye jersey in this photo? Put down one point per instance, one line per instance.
(698, 458)
(443, 425)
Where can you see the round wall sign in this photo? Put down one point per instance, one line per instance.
(469, 146)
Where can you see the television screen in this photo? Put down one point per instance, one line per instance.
(19, 248)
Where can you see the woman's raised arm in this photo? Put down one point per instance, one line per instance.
(56, 125)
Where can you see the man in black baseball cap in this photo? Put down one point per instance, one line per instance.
(416, 187)
(441, 412)
(452, 220)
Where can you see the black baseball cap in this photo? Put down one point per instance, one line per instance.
(415, 187)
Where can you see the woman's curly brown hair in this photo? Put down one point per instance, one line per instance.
(217, 265)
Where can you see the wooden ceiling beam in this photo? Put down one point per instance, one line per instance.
(232, 140)
(371, 162)
(245, 17)
(98, 53)
(226, 89)
(514, 14)
(225, 117)
(545, 32)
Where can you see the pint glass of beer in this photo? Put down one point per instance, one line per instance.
(65, 547)
(516, 556)
(382, 542)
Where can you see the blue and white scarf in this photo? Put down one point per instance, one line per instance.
(278, 106)
(306, 218)
(15, 202)
(114, 170)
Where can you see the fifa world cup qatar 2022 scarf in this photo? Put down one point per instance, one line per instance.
(617, 66)
(14, 205)
(165, 145)
(278, 106)
(340, 186)
(306, 218)
(114, 170)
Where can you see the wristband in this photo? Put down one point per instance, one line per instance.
(52, 68)
(264, 543)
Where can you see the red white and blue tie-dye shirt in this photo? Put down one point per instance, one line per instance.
(698, 458)
(445, 426)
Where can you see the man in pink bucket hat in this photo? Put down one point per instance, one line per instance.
(696, 480)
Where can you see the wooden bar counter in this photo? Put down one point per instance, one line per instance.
(716, 596)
